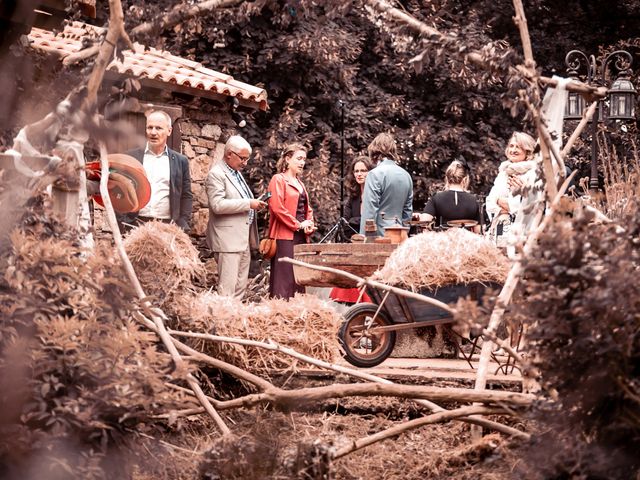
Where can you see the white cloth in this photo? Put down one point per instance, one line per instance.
(553, 105)
(159, 176)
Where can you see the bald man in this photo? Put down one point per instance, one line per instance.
(168, 174)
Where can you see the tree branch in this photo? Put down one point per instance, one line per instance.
(180, 13)
(412, 424)
(105, 53)
(83, 54)
(342, 369)
(521, 21)
(299, 399)
(157, 318)
(586, 118)
(296, 399)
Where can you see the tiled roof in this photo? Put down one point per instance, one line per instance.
(149, 63)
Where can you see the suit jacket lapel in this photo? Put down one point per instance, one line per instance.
(235, 184)
(173, 168)
(138, 154)
(246, 185)
(227, 173)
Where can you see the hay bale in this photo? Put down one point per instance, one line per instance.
(164, 258)
(435, 259)
(306, 324)
(425, 342)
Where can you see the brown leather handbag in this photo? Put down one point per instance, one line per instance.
(267, 247)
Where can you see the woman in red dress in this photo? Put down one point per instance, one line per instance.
(290, 219)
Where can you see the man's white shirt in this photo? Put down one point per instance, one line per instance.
(159, 176)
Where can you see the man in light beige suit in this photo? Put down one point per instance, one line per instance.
(232, 230)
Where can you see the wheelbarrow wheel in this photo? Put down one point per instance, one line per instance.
(365, 347)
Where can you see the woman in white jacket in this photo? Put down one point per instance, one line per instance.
(519, 152)
(504, 198)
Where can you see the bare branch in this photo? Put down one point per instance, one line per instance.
(412, 424)
(180, 13)
(365, 281)
(105, 53)
(292, 399)
(521, 21)
(586, 118)
(83, 54)
(158, 318)
(299, 399)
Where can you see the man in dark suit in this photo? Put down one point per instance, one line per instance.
(168, 174)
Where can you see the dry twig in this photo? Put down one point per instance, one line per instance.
(157, 315)
(418, 422)
(180, 13)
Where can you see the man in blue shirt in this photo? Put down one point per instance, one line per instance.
(388, 190)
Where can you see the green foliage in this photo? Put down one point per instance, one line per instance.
(308, 55)
(583, 307)
(76, 375)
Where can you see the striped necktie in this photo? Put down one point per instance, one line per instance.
(245, 191)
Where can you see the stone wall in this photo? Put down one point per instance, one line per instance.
(203, 137)
(204, 132)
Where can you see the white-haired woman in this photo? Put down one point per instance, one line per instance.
(504, 198)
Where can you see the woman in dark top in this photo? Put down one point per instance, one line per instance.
(290, 219)
(455, 202)
(354, 182)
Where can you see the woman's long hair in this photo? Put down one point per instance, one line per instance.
(287, 152)
(353, 188)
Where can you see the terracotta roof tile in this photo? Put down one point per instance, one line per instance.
(151, 63)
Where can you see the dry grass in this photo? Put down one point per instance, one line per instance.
(298, 446)
(435, 259)
(622, 185)
(164, 259)
(306, 324)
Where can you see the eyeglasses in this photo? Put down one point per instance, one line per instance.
(244, 159)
